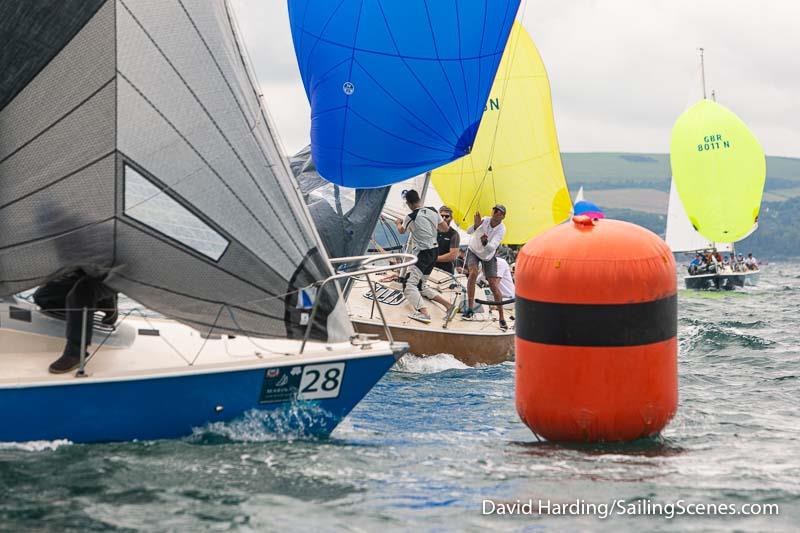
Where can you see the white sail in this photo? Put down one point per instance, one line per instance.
(579, 196)
(681, 236)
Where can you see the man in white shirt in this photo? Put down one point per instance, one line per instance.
(424, 223)
(487, 233)
(751, 262)
(506, 280)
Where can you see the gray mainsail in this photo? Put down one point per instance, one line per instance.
(344, 217)
(133, 144)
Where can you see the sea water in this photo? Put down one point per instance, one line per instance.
(438, 445)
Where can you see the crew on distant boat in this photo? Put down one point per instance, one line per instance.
(751, 262)
(487, 233)
(69, 294)
(696, 264)
(448, 241)
(423, 223)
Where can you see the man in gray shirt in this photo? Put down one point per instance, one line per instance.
(424, 223)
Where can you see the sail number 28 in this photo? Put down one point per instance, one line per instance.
(713, 142)
(321, 381)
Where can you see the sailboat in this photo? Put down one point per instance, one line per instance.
(397, 89)
(515, 161)
(134, 144)
(719, 169)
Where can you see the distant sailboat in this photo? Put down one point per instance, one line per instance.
(719, 169)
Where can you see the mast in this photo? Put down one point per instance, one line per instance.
(703, 71)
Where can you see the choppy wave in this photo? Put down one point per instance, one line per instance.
(710, 337)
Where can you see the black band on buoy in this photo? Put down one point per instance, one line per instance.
(597, 324)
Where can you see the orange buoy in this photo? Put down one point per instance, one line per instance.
(596, 326)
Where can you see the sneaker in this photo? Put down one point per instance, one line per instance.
(468, 314)
(503, 325)
(421, 317)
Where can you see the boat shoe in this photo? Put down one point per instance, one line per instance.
(421, 317)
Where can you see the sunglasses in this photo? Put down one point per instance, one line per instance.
(445, 215)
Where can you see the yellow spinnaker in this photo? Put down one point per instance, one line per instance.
(719, 169)
(515, 160)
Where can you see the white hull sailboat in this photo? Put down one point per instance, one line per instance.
(718, 169)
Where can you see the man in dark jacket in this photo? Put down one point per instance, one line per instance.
(70, 293)
(448, 242)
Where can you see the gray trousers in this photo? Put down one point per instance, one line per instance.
(416, 288)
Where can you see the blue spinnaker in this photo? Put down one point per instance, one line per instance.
(396, 88)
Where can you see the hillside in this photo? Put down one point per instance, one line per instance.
(635, 187)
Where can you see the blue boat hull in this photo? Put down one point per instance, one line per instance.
(169, 407)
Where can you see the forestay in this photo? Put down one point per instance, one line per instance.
(396, 88)
(132, 144)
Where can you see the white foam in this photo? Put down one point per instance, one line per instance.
(288, 423)
(428, 364)
(35, 445)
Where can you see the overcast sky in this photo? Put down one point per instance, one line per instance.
(621, 70)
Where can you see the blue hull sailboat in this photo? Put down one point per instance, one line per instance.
(135, 151)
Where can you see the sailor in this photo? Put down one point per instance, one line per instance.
(506, 281)
(740, 263)
(487, 233)
(695, 264)
(72, 293)
(448, 242)
(423, 223)
(751, 262)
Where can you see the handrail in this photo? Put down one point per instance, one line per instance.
(406, 261)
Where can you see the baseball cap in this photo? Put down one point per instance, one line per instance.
(500, 207)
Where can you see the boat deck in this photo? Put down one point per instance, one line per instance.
(363, 309)
(161, 347)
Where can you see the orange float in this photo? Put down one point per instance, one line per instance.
(596, 326)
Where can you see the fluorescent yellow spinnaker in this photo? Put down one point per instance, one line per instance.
(515, 160)
(719, 170)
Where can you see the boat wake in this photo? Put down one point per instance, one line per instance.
(429, 364)
(35, 445)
